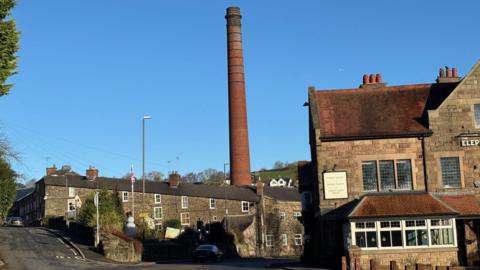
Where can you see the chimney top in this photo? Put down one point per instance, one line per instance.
(233, 16)
(448, 75)
(372, 81)
(52, 170)
(173, 179)
(91, 173)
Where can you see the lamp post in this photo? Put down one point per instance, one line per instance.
(145, 117)
(225, 193)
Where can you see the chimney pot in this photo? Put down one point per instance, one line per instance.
(173, 179)
(449, 73)
(365, 78)
(372, 78)
(378, 78)
(441, 73)
(454, 72)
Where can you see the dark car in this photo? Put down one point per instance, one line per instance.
(14, 221)
(207, 252)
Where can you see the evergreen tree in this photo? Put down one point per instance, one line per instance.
(110, 211)
(8, 45)
(7, 188)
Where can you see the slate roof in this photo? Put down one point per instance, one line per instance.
(465, 205)
(282, 193)
(377, 112)
(183, 189)
(400, 205)
(23, 192)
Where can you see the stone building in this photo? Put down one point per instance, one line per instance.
(396, 172)
(62, 192)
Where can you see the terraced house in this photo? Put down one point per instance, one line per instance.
(62, 192)
(397, 172)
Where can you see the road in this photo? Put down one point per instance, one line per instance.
(39, 249)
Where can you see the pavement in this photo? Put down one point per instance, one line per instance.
(42, 249)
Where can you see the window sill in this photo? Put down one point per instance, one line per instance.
(407, 250)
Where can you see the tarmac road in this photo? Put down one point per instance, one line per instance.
(39, 249)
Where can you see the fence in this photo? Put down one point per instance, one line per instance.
(394, 266)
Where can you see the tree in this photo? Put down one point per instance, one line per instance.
(279, 165)
(155, 176)
(8, 45)
(7, 187)
(190, 177)
(110, 211)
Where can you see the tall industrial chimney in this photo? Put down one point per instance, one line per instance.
(237, 106)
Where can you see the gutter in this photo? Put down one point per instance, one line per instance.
(377, 136)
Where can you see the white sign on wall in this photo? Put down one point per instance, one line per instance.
(335, 185)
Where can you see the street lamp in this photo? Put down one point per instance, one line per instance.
(225, 193)
(145, 117)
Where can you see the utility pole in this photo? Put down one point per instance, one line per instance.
(146, 117)
(97, 234)
(225, 193)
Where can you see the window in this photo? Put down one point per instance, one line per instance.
(269, 240)
(298, 239)
(390, 174)
(284, 239)
(157, 212)
(369, 172)
(158, 226)
(297, 214)
(416, 233)
(185, 218)
(282, 215)
(476, 109)
(71, 205)
(451, 172)
(214, 218)
(125, 196)
(184, 202)
(213, 203)
(71, 192)
(245, 206)
(390, 234)
(158, 199)
(441, 232)
(365, 234)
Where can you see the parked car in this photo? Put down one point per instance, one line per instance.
(15, 221)
(207, 252)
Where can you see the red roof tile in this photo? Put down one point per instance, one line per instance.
(383, 111)
(400, 205)
(465, 205)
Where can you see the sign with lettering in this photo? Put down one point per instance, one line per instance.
(335, 185)
(465, 142)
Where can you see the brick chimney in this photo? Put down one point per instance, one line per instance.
(173, 179)
(239, 147)
(448, 75)
(91, 173)
(372, 81)
(52, 170)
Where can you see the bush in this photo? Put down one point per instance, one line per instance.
(110, 211)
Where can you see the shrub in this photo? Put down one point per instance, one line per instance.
(110, 211)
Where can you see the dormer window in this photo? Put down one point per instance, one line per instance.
(476, 110)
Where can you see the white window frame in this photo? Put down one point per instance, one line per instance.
(182, 218)
(297, 214)
(247, 208)
(282, 215)
(269, 240)
(71, 192)
(157, 199)
(125, 196)
(184, 202)
(212, 203)
(158, 224)
(155, 209)
(214, 218)
(284, 239)
(404, 228)
(440, 227)
(69, 202)
(298, 239)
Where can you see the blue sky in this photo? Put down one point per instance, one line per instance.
(89, 70)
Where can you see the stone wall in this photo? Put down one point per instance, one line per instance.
(452, 118)
(348, 156)
(440, 256)
(276, 226)
(198, 208)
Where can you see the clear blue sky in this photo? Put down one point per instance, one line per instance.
(89, 70)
